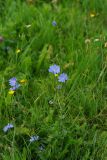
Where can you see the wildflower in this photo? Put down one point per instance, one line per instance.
(11, 92)
(9, 126)
(92, 15)
(54, 23)
(55, 69)
(34, 138)
(12, 82)
(63, 77)
(23, 81)
(15, 87)
(18, 51)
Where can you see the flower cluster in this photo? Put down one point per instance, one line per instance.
(15, 85)
(10, 126)
(55, 69)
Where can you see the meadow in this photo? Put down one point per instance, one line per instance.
(53, 77)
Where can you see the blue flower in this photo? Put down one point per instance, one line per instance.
(12, 82)
(54, 23)
(55, 69)
(34, 138)
(15, 87)
(9, 126)
(63, 77)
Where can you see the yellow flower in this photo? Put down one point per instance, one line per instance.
(18, 51)
(11, 92)
(92, 15)
(23, 81)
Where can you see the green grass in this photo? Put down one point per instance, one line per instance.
(71, 122)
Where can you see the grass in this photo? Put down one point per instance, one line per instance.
(71, 121)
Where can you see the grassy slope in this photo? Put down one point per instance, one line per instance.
(71, 122)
